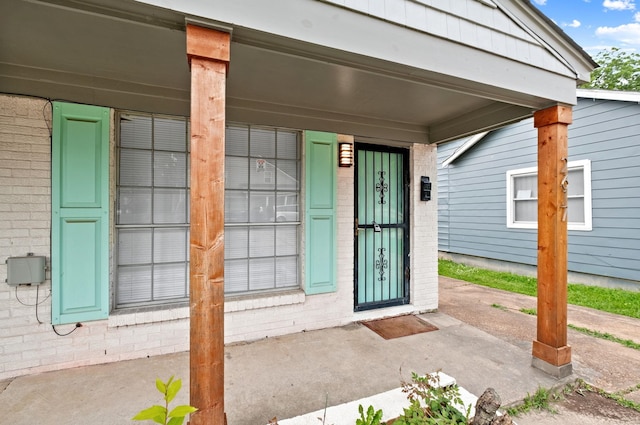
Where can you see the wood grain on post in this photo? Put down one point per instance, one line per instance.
(208, 54)
(551, 344)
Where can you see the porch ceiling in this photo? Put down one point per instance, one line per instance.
(132, 56)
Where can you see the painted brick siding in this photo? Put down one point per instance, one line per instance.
(25, 200)
(424, 230)
(28, 343)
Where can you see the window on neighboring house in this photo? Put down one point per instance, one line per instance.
(522, 197)
(152, 209)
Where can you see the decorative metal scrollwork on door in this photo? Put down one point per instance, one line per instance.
(382, 187)
(381, 264)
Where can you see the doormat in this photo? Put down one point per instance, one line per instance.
(396, 327)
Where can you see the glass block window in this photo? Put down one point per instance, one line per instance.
(262, 218)
(522, 197)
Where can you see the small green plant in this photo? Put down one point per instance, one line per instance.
(529, 311)
(372, 417)
(161, 414)
(538, 401)
(499, 307)
(432, 403)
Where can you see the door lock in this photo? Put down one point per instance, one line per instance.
(376, 227)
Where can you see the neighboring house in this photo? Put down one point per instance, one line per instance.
(96, 172)
(487, 194)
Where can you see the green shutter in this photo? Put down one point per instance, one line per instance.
(79, 213)
(321, 187)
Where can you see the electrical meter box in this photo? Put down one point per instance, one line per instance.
(29, 270)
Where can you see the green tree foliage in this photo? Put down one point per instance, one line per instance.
(619, 70)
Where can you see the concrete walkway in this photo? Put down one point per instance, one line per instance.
(478, 345)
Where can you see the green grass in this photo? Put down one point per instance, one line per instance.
(626, 342)
(616, 301)
(499, 307)
(529, 311)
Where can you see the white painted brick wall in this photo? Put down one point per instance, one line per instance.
(27, 346)
(424, 230)
(24, 226)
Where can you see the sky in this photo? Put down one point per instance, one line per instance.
(597, 24)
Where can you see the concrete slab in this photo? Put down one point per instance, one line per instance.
(282, 377)
(604, 364)
(633, 396)
(392, 404)
(479, 345)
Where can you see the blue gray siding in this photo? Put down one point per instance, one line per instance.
(472, 192)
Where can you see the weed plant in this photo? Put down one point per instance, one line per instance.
(540, 400)
(431, 404)
(161, 414)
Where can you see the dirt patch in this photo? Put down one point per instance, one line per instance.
(594, 404)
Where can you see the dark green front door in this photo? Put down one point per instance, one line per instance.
(382, 227)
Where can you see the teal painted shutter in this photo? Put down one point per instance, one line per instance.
(321, 187)
(79, 213)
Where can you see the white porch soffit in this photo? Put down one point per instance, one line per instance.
(404, 70)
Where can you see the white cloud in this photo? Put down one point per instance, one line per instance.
(574, 24)
(619, 4)
(636, 17)
(627, 33)
(540, 2)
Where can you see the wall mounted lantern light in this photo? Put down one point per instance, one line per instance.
(345, 154)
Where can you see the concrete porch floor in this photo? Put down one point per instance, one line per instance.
(295, 374)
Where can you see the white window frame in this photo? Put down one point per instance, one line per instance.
(583, 164)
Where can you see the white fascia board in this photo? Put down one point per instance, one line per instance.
(371, 43)
(488, 3)
(465, 147)
(624, 96)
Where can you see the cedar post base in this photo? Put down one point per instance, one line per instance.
(551, 360)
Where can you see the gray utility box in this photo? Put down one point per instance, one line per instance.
(29, 270)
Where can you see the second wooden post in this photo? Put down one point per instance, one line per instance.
(550, 350)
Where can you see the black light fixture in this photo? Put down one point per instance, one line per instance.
(345, 154)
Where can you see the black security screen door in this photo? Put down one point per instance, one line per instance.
(381, 227)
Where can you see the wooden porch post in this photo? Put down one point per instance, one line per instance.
(550, 350)
(208, 54)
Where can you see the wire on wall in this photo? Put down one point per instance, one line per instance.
(37, 301)
(78, 325)
(48, 119)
